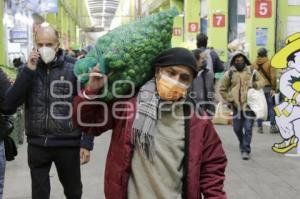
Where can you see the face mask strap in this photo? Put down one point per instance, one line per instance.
(173, 81)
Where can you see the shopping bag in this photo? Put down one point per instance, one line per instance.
(257, 101)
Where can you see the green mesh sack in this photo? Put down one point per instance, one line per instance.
(127, 53)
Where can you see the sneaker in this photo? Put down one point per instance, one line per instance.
(260, 130)
(245, 156)
(274, 129)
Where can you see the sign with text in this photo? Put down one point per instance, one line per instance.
(263, 9)
(219, 20)
(193, 27)
(18, 36)
(177, 31)
(261, 36)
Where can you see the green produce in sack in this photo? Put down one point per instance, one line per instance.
(128, 52)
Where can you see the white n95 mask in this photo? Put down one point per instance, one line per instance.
(47, 54)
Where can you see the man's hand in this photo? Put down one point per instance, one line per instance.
(33, 59)
(272, 93)
(84, 156)
(96, 80)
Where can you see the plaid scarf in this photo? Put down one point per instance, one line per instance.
(145, 120)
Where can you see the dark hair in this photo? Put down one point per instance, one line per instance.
(197, 52)
(292, 56)
(262, 52)
(17, 62)
(202, 40)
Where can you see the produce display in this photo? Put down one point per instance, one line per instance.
(9, 71)
(128, 52)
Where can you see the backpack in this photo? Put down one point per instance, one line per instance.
(210, 65)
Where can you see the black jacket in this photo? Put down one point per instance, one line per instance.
(6, 125)
(204, 91)
(4, 85)
(48, 95)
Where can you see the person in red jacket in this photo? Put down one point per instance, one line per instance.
(162, 145)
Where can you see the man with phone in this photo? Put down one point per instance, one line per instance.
(47, 85)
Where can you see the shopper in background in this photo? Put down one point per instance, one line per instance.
(18, 63)
(214, 64)
(203, 84)
(233, 89)
(263, 66)
(5, 125)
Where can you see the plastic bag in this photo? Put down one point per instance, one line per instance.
(257, 102)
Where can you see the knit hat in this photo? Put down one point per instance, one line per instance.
(262, 52)
(176, 57)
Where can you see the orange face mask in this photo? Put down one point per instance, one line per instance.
(170, 89)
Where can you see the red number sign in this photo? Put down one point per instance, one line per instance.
(219, 20)
(193, 27)
(177, 31)
(263, 9)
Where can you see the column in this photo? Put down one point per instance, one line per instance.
(191, 22)
(260, 26)
(178, 27)
(218, 26)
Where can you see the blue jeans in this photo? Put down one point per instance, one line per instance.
(242, 126)
(271, 113)
(2, 167)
